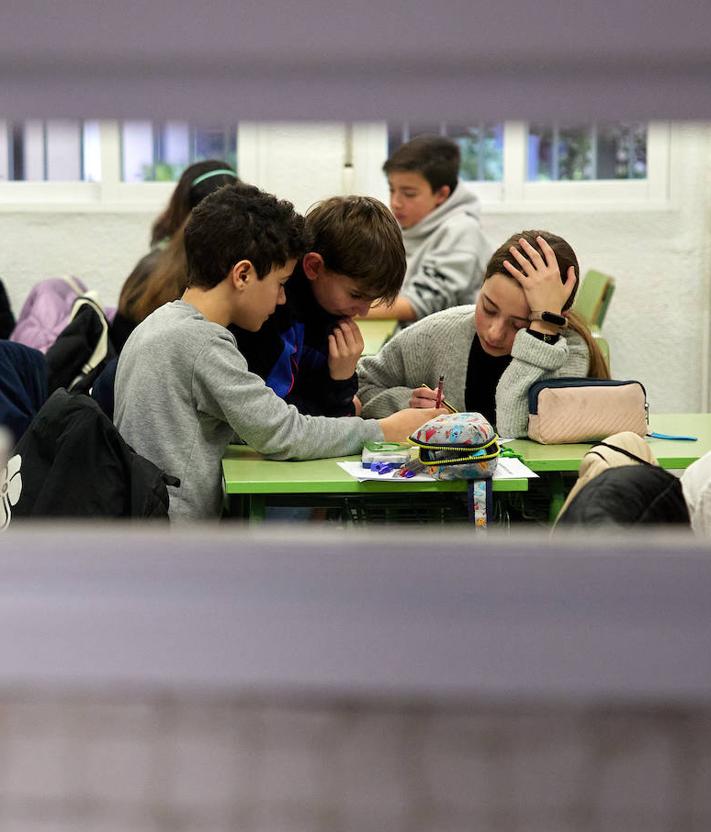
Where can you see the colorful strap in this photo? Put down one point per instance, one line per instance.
(480, 498)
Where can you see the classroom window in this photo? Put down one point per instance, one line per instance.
(555, 152)
(559, 152)
(481, 145)
(56, 150)
(159, 152)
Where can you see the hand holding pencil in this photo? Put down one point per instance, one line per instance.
(425, 396)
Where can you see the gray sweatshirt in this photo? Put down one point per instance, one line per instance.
(447, 254)
(440, 344)
(183, 391)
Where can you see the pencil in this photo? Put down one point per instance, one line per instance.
(440, 392)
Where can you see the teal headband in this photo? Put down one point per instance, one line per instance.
(220, 172)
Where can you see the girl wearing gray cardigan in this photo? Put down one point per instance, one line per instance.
(491, 353)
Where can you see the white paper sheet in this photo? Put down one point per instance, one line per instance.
(507, 468)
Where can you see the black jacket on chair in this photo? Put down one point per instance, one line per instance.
(23, 386)
(7, 319)
(630, 495)
(74, 463)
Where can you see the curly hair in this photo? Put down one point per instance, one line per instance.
(240, 222)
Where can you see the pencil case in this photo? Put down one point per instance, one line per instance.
(565, 410)
(396, 453)
(457, 446)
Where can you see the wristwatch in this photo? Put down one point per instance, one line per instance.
(550, 318)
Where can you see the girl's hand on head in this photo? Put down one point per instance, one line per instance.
(540, 278)
(345, 345)
(423, 397)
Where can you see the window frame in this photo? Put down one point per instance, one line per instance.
(367, 149)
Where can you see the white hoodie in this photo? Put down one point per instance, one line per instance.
(447, 254)
(696, 484)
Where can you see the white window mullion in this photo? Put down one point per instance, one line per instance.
(250, 155)
(110, 140)
(515, 134)
(370, 150)
(658, 160)
(4, 151)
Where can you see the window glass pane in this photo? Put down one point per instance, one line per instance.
(585, 152)
(161, 151)
(482, 149)
(481, 145)
(137, 151)
(53, 150)
(31, 134)
(91, 155)
(63, 151)
(622, 151)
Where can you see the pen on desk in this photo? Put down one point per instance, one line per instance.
(440, 392)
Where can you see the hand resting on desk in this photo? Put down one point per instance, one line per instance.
(401, 424)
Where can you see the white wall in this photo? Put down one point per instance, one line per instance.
(658, 322)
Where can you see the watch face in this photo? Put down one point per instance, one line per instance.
(552, 318)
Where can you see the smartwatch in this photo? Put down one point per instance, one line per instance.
(550, 318)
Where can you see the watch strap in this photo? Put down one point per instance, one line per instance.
(554, 318)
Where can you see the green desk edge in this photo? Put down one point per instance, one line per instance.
(247, 472)
(671, 454)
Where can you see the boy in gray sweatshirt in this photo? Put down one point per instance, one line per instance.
(445, 247)
(183, 389)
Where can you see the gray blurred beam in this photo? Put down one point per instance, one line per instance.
(289, 611)
(275, 59)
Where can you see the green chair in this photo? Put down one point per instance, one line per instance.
(604, 346)
(593, 298)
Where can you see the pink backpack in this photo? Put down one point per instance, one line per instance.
(46, 311)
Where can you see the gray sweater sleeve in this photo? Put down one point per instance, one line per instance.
(438, 344)
(441, 343)
(533, 360)
(223, 387)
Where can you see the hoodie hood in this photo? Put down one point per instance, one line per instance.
(461, 201)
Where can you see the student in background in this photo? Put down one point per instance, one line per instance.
(492, 353)
(159, 276)
(308, 350)
(439, 216)
(182, 387)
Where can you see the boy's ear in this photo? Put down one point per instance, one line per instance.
(240, 274)
(442, 194)
(312, 264)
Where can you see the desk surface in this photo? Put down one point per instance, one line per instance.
(669, 453)
(247, 472)
(376, 332)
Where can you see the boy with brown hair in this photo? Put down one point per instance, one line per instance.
(308, 350)
(439, 216)
(183, 389)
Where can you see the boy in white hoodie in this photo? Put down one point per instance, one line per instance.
(445, 247)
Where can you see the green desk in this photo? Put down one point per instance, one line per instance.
(252, 478)
(376, 332)
(557, 460)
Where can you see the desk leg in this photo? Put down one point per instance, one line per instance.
(256, 508)
(558, 494)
